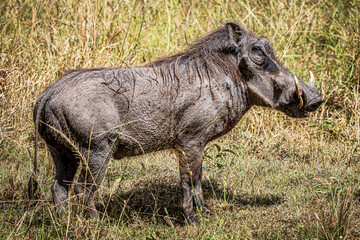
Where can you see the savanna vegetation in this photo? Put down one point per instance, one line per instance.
(272, 177)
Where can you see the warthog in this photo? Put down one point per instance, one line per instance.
(179, 102)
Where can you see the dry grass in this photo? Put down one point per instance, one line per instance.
(272, 177)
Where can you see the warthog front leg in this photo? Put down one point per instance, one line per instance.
(199, 197)
(190, 161)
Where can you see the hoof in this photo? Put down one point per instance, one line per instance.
(192, 219)
(207, 211)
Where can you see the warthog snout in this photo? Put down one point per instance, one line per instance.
(314, 104)
(307, 94)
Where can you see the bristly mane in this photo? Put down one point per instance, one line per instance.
(209, 56)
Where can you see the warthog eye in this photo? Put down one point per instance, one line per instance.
(257, 49)
(257, 55)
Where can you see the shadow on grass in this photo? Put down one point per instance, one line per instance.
(155, 201)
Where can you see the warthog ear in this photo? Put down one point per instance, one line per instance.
(236, 33)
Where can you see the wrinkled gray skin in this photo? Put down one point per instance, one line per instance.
(180, 102)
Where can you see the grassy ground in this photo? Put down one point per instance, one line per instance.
(272, 177)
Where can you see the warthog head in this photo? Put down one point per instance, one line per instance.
(270, 84)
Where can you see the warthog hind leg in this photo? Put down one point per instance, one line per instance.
(66, 165)
(60, 196)
(91, 177)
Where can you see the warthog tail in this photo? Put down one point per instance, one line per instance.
(33, 184)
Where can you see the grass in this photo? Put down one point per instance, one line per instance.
(272, 177)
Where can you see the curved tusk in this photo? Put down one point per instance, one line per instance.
(312, 78)
(299, 92)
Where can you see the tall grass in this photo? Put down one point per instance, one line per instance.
(271, 177)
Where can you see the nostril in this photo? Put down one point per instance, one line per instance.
(320, 101)
(312, 107)
(315, 104)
